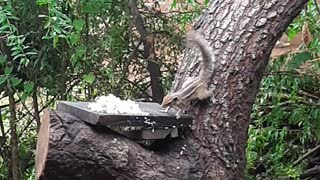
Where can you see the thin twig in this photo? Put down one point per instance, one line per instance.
(306, 155)
(1, 124)
(308, 94)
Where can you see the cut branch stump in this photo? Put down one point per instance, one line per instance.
(81, 144)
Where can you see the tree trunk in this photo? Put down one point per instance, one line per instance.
(242, 35)
(36, 107)
(14, 160)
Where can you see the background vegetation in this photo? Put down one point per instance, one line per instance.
(54, 50)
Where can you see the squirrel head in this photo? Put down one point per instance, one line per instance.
(168, 100)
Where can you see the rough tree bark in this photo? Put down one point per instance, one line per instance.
(242, 34)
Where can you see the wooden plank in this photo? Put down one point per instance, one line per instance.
(157, 118)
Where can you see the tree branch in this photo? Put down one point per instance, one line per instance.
(306, 155)
(149, 54)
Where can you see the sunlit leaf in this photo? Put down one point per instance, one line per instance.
(78, 24)
(173, 4)
(31, 53)
(55, 41)
(57, 29)
(18, 56)
(42, 2)
(28, 87)
(292, 32)
(42, 16)
(89, 78)
(24, 61)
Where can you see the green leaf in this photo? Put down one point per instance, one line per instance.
(46, 37)
(3, 79)
(18, 56)
(88, 8)
(2, 18)
(74, 38)
(8, 70)
(55, 41)
(57, 29)
(62, 36)
(28, 87)
(25, 96)
(31, 53)
(24, 61)
(25, 47)
(15, 81)
(80, 51)
(89, 78)
(22, 39)
(42, 2)
(16, 52)
(3, 59)
(299, 59)
(292, 32)
(78, 24)
(14, 48)
(14, 18)
(4, 28)
(173, 4)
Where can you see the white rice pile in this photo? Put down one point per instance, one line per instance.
(113, 105)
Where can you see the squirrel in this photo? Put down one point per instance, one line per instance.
(196, 87)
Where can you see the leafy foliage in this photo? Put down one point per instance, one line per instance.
(285, 117)
(76, 50)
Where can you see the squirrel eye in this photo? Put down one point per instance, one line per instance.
(175, 99)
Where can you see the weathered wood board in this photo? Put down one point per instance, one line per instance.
(155, 119)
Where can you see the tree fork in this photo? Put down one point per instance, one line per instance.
(242, 34)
